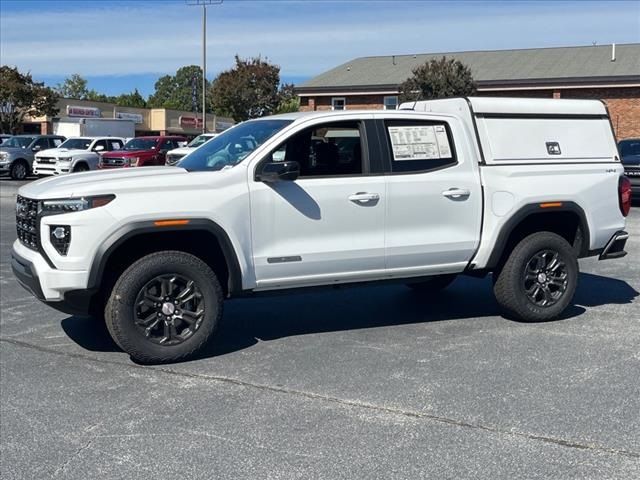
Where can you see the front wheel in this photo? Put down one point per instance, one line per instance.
(165, 307)
(19, 170)
(539, 279)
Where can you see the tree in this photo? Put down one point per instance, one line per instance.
(289, 101)
(176, 91)
(133, 99)
(438, 79)
(20, 96)
(94, 96)
(248, 90)
(73, 87)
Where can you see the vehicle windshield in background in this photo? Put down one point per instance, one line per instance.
(140, 144)
(199, 140)
(629, 148)
(20, 142)
(233, 146)
(76, 144)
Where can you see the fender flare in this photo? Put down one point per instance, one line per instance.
(133, 229)
(534, 208)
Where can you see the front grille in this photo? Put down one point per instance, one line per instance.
(27, 222)
(46, 160)
(114, 162)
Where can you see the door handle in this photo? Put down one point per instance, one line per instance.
(456, 193)
(364, 197)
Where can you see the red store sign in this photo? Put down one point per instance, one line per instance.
(190, 122)
(90, 112)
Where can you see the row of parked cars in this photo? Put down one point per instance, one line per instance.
(45, 155)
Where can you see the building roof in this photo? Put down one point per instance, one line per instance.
(495, 67)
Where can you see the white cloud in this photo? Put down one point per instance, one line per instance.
(304, 38)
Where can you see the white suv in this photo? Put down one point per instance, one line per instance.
(516, 188)
(77, 154)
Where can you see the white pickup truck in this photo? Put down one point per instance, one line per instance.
(77, 154)
(516, 188)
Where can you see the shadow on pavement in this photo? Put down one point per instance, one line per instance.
(248, 321)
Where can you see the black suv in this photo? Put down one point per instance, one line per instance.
(630, 152)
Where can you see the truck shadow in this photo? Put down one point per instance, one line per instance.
(249, 321)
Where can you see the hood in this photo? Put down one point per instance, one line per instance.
(59, 152)
(127, 153)
(106, 182)
(181, 151)
(14, 149)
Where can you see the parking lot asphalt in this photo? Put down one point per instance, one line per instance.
(369, 382)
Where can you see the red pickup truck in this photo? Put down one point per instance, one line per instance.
(141, 152)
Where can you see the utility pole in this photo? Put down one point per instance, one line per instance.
(204, 4)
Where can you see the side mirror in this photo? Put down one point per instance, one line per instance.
(37, 148)
(279, 171)
(99, 148)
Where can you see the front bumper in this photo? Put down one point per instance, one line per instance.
(51, 169)
(64, 290)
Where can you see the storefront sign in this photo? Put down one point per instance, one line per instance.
(136, 117)
(87, 112)
(190, 122)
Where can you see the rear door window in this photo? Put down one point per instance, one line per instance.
(419, 146)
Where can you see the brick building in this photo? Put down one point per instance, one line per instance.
(607, 72)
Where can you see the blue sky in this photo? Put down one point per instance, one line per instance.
(121, 45)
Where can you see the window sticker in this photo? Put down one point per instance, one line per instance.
(419, 142)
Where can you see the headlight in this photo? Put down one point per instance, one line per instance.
(133, 161)
(63, 159)
(3, 156)
(68, 205)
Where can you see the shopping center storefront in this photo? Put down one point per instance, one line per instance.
(147, 121)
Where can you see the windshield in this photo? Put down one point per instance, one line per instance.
(199, 140)
(140, 144)
(77, 144)
(232, 146)
(20, 142)
(629, 148)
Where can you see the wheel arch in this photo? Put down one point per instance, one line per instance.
(567, 220)
(201, 237)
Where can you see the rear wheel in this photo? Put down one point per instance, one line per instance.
(165, 307)
(433, 284)
(19, 170)
(539, 279)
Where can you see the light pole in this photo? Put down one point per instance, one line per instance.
(204, 4)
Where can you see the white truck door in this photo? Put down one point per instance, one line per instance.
(328, 225)
(434, 196)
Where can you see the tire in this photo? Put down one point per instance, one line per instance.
(81, 167)
(19, 170)
(433, 284)
(138, 325)
(539, 279)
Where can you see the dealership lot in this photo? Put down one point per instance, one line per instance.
(368, 382)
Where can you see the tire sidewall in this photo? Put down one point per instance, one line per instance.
(523, 253)
(126, 290)
(14, 169)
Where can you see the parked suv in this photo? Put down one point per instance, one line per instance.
(141, 152)
(630, 152)
(77, 154)
(174, 156)
(17, 153)
(454, 187)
